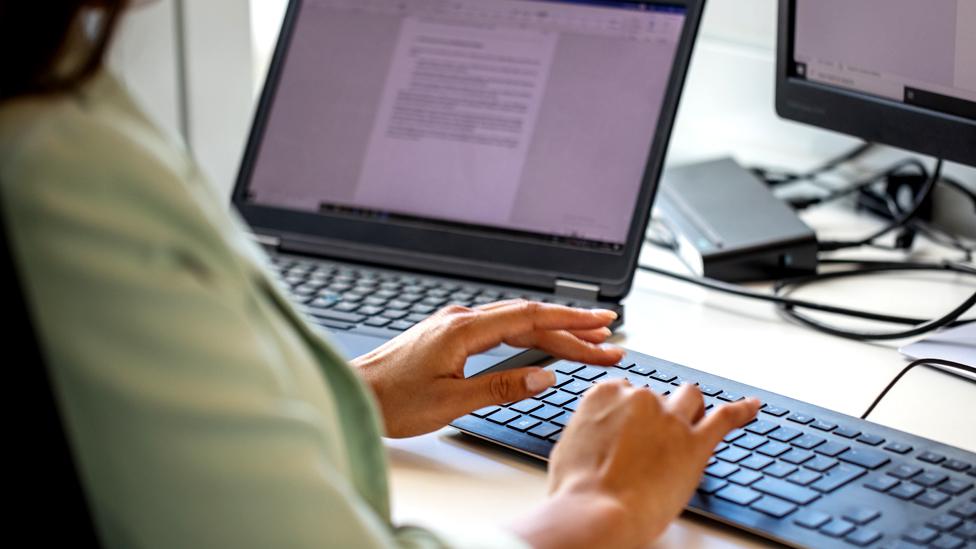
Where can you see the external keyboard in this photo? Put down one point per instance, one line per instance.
(798, 474)
(343, 297)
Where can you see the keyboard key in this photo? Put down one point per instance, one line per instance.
(944, 522)
(756, 462)
(955, 487)
(808, 441)
(882, 483)
(868, 459)
(846, 432)
(710, 485)
(773, 507)
(733, 455)
(930, 479)
(709, 390)
(906, 491)
(820, 463)
(956, 465)
(831, 449)
(738, 494)
(577, 386)
(797, 456)
(401, 325)
(898, 447)
(803, 477)
(811, 519)
(559, 398)
(503, 416)
(863, 537)
(523, 424)
(967, 531)
(802, 419)
(526, 405)
(663, 376)
(547, 412)
(931, 457)
(484, 412)
(750, 442)
(568, 368)
(761, 427)
(775, 411)
(544, 430)
(948, 541)
(784, 434)
(774, 449)
(931, 499)
(837, 528)
(779, 470)
(563, 420)
(861, 515)
(870, 440)
(921, 535)
(965, 510)
(825, 426)
(589, 373)
(733, 435)
(905, 472)
(745, 477)
(642, 370)
(786, 490)
(720, 469)
(837, 477)
(730, 397)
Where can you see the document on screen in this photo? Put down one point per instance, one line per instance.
(456, 118)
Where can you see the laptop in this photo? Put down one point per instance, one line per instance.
(409, 154)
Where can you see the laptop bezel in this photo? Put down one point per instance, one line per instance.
(499, 258)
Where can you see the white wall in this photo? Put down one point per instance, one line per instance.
(211, 107)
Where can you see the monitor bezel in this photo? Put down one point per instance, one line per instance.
(872, 118)
(451, 251)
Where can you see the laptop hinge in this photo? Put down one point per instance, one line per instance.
(266, 240)
(578, 290)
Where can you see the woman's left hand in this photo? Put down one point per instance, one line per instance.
(418, 377)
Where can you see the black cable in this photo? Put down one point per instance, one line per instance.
(782, 178)
(910, 367)
(858, 186)
(789, 306)
(899, 222)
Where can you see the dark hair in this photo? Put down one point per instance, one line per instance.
(34, 40)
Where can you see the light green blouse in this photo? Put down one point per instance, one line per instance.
(203, 409)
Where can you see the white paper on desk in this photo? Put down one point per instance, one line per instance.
(955, 344)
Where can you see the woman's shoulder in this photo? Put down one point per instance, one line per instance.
(91, 140)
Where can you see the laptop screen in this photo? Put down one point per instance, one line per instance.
(528, 117)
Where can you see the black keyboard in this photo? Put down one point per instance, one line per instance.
(342, 296)
(798, 474)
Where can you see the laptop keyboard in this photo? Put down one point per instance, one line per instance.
(341, 296)
(798, 474)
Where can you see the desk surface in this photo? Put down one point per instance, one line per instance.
(446, 478)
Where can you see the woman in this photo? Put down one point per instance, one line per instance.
(205, 412)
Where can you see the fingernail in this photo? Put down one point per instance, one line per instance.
(539, 380)
(605, 313)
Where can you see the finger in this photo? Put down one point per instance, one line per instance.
(687, 403)
(497, 304)
(499, 388)
(566, 346)
(593, 336)
(487, 329)
(713, 428)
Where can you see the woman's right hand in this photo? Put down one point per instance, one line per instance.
(627, 464)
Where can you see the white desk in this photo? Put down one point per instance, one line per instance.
(448, 479)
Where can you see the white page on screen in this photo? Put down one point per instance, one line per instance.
(458, 112)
